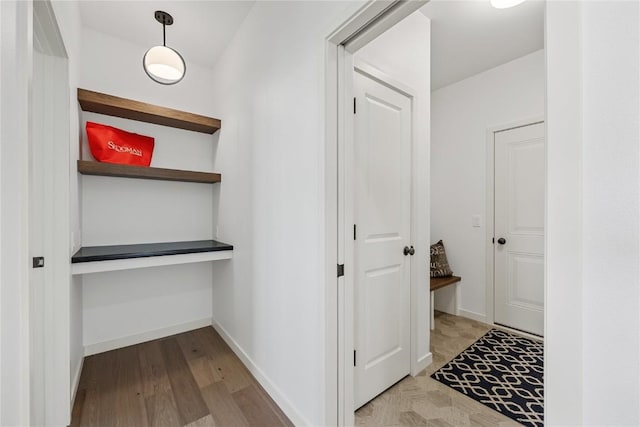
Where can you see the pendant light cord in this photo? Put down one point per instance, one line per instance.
(164, 34)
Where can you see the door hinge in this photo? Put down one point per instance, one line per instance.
(493, 240)
(354, 358)
(354, 105)
(340, 270)
(354, 232)
(38, 262)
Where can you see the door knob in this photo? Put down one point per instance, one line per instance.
(409, 250)
(502, 241)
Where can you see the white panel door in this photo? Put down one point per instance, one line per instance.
(382, 210)
(519, 228)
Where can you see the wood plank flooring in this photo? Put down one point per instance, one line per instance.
(422, 401)
(195, 380)
(191, 379)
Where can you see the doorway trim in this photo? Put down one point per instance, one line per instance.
(489, 215)
(364, 25)
(47, 40)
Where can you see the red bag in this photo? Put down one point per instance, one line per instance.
(113, 145)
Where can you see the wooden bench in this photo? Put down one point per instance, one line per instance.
(437, 283)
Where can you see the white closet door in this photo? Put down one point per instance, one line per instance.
(519, 228)
(382, 212)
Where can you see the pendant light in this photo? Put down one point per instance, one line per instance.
(161, 63)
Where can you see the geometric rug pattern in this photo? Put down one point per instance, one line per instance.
(502, 371)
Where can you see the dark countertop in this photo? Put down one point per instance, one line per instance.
(106, 253)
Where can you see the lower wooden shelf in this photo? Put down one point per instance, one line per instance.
(87, 167)
(96, 259)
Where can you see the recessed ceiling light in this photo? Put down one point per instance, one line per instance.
(504, 4)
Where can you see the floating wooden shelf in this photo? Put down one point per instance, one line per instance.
(441, 282)
(86, 167)
(101, 103)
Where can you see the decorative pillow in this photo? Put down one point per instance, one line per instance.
(439, 264)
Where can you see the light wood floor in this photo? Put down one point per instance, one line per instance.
(191, 379)
(422, 401)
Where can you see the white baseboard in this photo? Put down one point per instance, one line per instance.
(426, 359)
(473, 315)
(484, 319)
(101, 347)
(281, 400)
(76, 382)
(423, 363)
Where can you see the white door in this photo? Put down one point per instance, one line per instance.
(382, 205)
(519, 228)
(37, 230)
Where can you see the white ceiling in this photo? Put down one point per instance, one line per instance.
(470, 36)
(200, 31)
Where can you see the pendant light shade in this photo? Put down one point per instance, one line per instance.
(505, 4)
(161, 63)
(164, 65)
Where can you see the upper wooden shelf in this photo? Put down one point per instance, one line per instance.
(101, 103)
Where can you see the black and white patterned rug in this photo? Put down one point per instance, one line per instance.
(502, 371)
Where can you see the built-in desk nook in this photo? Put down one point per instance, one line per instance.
(126, 206)
(94, 259)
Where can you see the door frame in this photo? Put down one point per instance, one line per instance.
(47, 38)
(490, 210)
(364, 25)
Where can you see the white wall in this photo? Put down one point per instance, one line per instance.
(124, 211)
(15, 68)
(461, 115)
(592, 346)
(403, 53)
(564, 225)
(611, 203)
(268, 88)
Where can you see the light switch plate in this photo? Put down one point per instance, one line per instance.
(475, 220)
